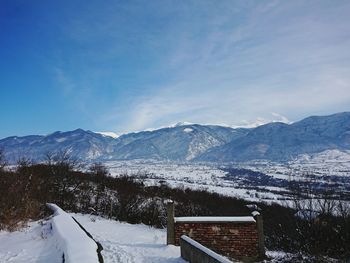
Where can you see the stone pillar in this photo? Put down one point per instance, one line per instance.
(170, 222)
(261, 239)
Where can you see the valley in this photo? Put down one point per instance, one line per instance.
(254, 181)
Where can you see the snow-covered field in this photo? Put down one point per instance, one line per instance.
(329, 168)
(207, 177)
(122, 243)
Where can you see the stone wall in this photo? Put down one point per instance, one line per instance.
(235, 240)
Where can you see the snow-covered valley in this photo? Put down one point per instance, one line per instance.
(255, 180)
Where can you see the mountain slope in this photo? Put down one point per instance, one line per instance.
(193, 142)
(82, 144)
(176, 143)
(280, 141)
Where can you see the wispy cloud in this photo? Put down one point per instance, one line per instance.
(275, 60)
(229, 62)
(64, 84)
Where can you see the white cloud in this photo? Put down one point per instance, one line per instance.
(109, 134)
(224, 62)
(63, 82)
(280, 118)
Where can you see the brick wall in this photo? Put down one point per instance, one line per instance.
(236, 240)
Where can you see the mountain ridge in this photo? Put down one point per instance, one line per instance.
(192, 142)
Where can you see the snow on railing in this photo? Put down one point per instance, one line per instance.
(75, 244)
(193, 251)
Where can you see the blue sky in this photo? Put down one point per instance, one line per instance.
(131, 65)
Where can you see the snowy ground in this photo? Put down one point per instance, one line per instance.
(196, 176)
(329, 168)
(128, 243)
(32, 244)
(122, 242)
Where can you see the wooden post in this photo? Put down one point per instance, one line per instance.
(261, 239)
(170, 223)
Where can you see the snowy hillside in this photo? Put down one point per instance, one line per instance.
(181, 142)
(85, 145)
(281, 142)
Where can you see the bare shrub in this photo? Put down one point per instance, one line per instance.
(98, 169)
(322, 221)
(62, 162)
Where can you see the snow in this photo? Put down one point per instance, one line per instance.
(197, 147)
(188, 130)
(326, 167)
(181, 123)
(122, 243)
(109, 134)
(237, 219)
(197, 176)
(34, 243)
(307, 214)
(71, 239)
(206, 250)
(127, 243)
(61, 139)
(255, 213)
(174, 125)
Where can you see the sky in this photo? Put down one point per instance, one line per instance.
(126, 66)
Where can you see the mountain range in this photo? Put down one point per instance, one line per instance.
(192, 142)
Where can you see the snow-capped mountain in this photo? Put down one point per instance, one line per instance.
(193, 142)
(181, 142)
(280, 141)
(83, 144)
(110, 134)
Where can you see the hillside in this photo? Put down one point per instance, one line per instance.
(280, 141)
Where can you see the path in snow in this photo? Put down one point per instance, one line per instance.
(122, 243)
(32, 244)
(127, 243)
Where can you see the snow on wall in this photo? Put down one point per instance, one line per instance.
(236, 219)
(234, 239)
(204, 250)
(74, 243)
